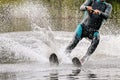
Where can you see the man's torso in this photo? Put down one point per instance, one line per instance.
(94, 21)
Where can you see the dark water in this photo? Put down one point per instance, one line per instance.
(37, 71)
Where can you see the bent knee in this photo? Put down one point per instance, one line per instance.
(97, 36)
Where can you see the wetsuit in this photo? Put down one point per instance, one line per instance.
(90, 25)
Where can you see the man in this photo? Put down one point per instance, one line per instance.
(97, 11)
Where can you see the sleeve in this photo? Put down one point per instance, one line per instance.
(85, 4)
(107, 12)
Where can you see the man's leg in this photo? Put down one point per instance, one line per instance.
(93, 46)
(75, 39)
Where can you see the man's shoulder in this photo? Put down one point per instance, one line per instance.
(108, 4)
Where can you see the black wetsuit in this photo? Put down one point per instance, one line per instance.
(90, 25)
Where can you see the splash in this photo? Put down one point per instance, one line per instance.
(38, 18)
(107, 48)
(109, 45)
(35, 12)
(24, 47)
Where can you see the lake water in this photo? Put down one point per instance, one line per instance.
(24, 56)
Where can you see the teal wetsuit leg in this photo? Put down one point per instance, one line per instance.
(96, 34)
(94, 43)
(75, 40)
(79, 31)
(93, 46)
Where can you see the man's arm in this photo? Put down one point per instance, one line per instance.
(84, 6)
(107, 12)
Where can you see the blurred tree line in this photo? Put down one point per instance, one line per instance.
(66, 13)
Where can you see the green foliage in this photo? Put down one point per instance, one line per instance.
(65, 14)
(68, 10)
(9, 1)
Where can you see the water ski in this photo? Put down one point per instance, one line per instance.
(53, 59)
(76, 62)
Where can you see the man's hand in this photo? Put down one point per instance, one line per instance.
(96, 11)
(89, 8)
